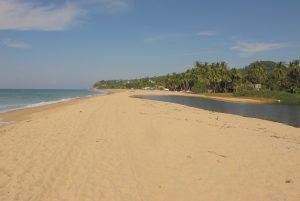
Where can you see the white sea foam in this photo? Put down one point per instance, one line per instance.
(9, 106)
(20, 107)
(34, 105)
(49, 102)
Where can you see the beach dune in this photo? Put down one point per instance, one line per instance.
(116, 147)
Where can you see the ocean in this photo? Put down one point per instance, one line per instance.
(14, 99)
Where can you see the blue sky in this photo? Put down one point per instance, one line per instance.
(73, 43)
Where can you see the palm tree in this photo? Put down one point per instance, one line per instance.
(294, 75)
(214, 76)
(225, 76)
(280, 74)
(236, 78)
(256, 74)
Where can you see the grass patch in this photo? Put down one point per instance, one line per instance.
(284, 97)
(234, 95)
(220, 95)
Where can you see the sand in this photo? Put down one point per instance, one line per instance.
(115, 147)
(251, 100)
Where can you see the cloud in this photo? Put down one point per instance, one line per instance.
(177, 35)
(19, 15)
(162, 37)
(207, 33)
(247, 49)
(26, 15)
(204, 52)
(15, 44)
(158, 38)
(114, 6)
(108, 6)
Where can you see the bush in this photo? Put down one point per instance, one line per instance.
(245, 91)
(199, 87)
(294, 89)
(284, 97)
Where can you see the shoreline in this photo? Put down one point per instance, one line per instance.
(38, 104)
(18, 114)
(250, 100)
(228, 99)
(14, 116)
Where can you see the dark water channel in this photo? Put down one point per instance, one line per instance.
(287, 114)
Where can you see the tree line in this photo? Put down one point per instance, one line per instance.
(218, 77)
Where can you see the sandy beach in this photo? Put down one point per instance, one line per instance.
(115, 147)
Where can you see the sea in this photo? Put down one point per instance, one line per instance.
(15, 99)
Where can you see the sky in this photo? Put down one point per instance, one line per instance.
(74, 43)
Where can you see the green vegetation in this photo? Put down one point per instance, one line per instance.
(261, 79)
(280, 96)
(153, 82)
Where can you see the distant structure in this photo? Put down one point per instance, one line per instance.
(257, 87)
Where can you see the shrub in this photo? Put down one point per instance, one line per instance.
(199, 87)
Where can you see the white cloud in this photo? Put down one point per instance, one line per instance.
(204, 52)
(108, 6)
(177, 35)
(157, 38)
(163, 37)
(15, 44)
(247, 49)
(26, 15)
(114, 6)
(207, 33)
(19, 15)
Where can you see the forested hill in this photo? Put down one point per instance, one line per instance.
(218, 77)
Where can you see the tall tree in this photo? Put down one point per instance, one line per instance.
(236, 79)
(279, 76)
(256, 74)
(294, 76)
